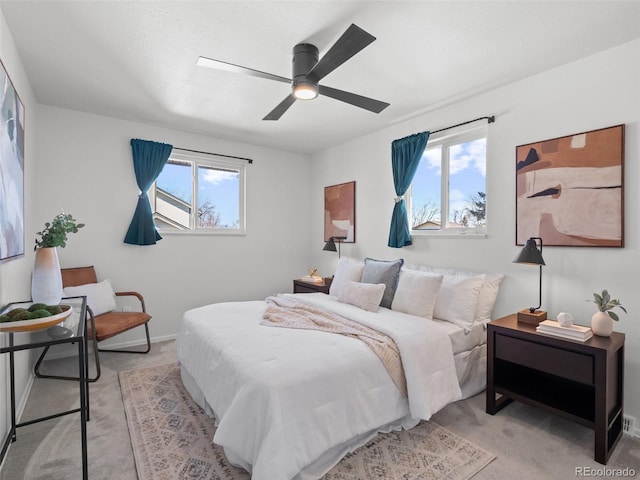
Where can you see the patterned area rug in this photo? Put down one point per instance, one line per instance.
(171, 439)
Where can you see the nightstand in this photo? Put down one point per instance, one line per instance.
(580, 381)
(300, 286)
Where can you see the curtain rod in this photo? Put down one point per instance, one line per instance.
(490, 119)
(216, 154)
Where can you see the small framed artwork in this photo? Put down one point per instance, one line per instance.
(340, 212)
(11, 169)
(570, 190)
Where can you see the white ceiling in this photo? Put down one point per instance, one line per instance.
(136, 60)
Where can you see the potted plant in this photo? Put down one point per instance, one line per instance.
(46, 282)
(602, 320)
(55, 233)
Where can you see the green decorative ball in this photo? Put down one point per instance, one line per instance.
(53, 309)
(17, 311)
(37, 306)
(25, 315)
(40, 313)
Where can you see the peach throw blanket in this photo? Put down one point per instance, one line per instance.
(289, 312)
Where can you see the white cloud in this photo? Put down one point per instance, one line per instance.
(216, 177)
(469, 155)
(432, 157)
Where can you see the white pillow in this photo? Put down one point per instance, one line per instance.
(416, 293)
(458, 298)
(100, 296)
(366, 296)
(488, 295)
(346, 271)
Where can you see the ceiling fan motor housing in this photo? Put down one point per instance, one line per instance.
(305, 57)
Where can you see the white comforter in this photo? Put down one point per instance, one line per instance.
(284, 398)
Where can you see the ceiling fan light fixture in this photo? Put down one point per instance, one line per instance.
(305, 91)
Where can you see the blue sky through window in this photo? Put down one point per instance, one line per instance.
(220, 187)
(467, 177)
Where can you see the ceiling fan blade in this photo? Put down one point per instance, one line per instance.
(375, 106)
(282, 107)
(351, 42)
(230, 67)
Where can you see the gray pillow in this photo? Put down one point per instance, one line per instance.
(381, 271)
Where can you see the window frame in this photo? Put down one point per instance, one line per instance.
(198, 159)
(446, 141)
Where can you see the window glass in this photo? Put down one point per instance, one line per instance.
(427, 192)
(217, 188)
(450, 183)
(467, 184)
(199, 193)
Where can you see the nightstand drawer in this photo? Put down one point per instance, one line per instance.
(302, 288)
(561, 363)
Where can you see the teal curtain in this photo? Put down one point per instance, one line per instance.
(149, 158)
(405, 158)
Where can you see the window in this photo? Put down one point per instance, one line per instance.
(199, 193)
(448, 191)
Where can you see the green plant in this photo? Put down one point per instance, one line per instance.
(606, 304)
(55, 233)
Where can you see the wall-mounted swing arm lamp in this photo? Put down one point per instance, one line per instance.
(330, 246)
(531, 255)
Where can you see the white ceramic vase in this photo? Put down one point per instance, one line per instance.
(601, 324)
(46, 282)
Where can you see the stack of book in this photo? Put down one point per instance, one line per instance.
(573, 332)
(309, 278)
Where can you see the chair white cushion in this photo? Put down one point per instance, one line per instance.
(417, 292)
(346, 271)
(100, 296)
(366, 296)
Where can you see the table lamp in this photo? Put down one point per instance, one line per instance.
(330, 246)
(530, 255)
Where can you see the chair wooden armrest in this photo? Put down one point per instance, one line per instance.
(133, 294)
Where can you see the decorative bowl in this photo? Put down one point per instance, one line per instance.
(36, 323)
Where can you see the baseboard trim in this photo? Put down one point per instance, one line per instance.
(54, 355)
(22, 404)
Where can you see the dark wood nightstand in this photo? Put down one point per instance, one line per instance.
(580, 381)
(300, 286)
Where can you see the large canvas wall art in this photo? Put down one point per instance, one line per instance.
(570, 190)
(340, 212)
(11, 169)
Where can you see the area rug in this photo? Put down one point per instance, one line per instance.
(172, 436)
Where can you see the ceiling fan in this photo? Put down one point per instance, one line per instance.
(308, 71)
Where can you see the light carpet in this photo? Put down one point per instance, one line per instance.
(172, 437)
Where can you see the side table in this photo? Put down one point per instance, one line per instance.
(70, 330)
(580, 381)
(300, 286)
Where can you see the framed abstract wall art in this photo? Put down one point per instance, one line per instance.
(340, 212)
(11, 169)
(570, 190)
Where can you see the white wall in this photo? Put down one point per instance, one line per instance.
(82, 163)
(15, 274)
(86, 168)
(596, 92)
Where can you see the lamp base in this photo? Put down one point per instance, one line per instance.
(532, 318)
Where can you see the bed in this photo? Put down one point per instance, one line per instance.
(290, 403)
